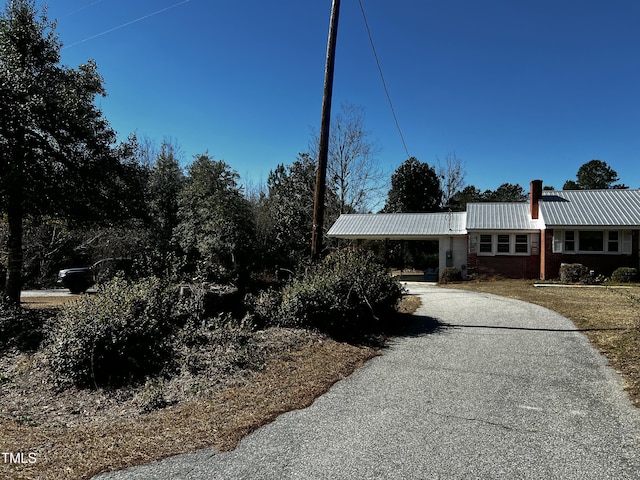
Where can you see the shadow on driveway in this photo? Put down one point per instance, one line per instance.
(530, 329)
(412, 325)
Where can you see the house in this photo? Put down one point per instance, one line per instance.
(598, 228)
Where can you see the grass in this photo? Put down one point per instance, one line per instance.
(608, 316)
(76, 434)
(46, 302)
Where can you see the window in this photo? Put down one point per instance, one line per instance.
(591, 241)
(503, 244)
(613, 243)
(485, 244)
(570, 241)
(522, 243)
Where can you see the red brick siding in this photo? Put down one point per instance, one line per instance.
(509, 266)
(601, 264)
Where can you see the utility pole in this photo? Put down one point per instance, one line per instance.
(323, 149)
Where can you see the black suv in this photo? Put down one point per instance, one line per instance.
(79, 279)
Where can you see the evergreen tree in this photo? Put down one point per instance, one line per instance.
(215, 229)
(415, 187)
(56, 152)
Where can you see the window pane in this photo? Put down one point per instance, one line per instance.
(522, 243)
(591, 241)
(569, 241)
(503, 243)
(503, 248)
(485, 243)
(612, 245)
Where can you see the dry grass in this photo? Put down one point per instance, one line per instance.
(78, 433)
(610, 317)
(289, 382)
(46, 302)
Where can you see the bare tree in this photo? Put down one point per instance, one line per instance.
(352, 167)
(451, 173)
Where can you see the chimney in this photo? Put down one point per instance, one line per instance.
(535, 194)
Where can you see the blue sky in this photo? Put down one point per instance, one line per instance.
(516, 89)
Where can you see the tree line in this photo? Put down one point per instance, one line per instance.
(70, 194)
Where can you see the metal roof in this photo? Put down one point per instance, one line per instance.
(599, 208)
(580, 208)
(398, 225)
(500, 216)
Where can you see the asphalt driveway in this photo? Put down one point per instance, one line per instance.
(486, 387)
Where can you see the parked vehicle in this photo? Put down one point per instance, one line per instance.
(79, 279)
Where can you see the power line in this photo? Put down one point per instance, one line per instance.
(127, 23)
(384, 83)
(79, 9)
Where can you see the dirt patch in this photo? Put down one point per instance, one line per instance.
(610, 317)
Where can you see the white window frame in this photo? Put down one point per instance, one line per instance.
(623, 242)
(496, 238)
(483, 241)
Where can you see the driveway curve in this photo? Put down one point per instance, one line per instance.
(486, 387)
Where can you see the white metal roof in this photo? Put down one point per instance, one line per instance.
(500, 216)
(579, 208)
(398, 225)
(600, 208)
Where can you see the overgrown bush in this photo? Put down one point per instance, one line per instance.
(120, 334)
(219, 345)
(346, 293)
(451, 274)
(265, 306)
(624, 275)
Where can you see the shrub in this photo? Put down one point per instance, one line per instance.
(451, 274)
(120, 334)
(574, 273)
(218, 346)
(347, 292)
(624, 275)
(152, 396)
(264, 306)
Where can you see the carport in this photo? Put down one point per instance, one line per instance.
(448, 228)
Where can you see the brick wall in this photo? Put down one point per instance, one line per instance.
(509, 266)
(601, 264)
